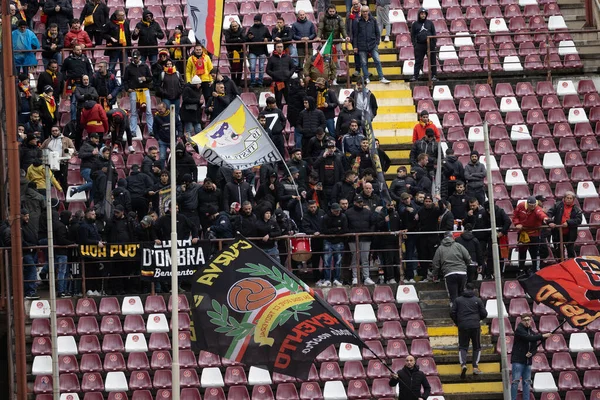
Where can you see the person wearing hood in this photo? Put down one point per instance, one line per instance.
(149, 33)
(471, 243)
(164, 183)
(52, 44)
(309, 120)
(184, 163)
(420, 30)
(158, 67)
(365, 41)
(419, 131)
(59, 12)
(475, 173)
(311, 224)
(257, 33)
(297, 93)
(267, 229)
(277, 123)
(139, 184)
(209, 195)
(467, 313)
(452, 260)
(420, 175)
(100, 175)
(388, 220)
(26, 98)
(121, 195)
(289, 190)
(48, 110)
(118, 124)
(107, 85)
(428, 146)
(199, 64)
(452, 172)
(185, 228)
(94, 15)
(137, 81)
(62, 145)
(237, 190)
(326, 100)
(76, 35)
(93, 117)
(268, 192)
(317, 145)
(330, 168)
(347, 114)
(221, 227)
(411, 380)
(401, 184)
(178, 38)
(162, 129)
(303, 30)
(428, 222)
(364, 99)
(187, 199)
(332, 23)
(117, 35)
(281, 68)
(233, 36)
(36, 173)
(152, 164)
(191, 112)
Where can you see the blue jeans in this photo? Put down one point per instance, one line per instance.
(520, 371)
(294, 55)
(62, 272)
(411, 254)
(192, 128)
(330, 124)
(273, 252)
(153, 58)
(298, 138)
(364, 58)
(162, 150)
(176, 103)
(133, 118)
(332, 251)
(73, 108)
(30, 273)
(86, 173)
(112, 61)
(261, 67)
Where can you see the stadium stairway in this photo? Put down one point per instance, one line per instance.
(443, 336)
(588, 43)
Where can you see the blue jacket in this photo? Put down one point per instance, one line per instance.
(365, 34)
(25, 41)
(302, 29)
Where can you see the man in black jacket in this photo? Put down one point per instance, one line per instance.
(334, 223)
(88, 234)
(452, 172)
(479, 218)
(257, 33)
(281, 68)
(139, 184)
(88, 153)
(419, 31)
(208, 196)
(467, 311)
(73, 69)
(149, 33)
(238, 190)
(59, 12)
(117, 35)
(119, 230)
(524, 348)
(311, 225)
(411, 380)
(218, 102)
(331, 170)
(503, 223)
(365, 40)
(470, 242)
(137, 81)
(347, 114)
(276, 123)
(246, 223)
(459, 200)
(309, 120)
(29, 238)
(185, 228)
(428, 146)
(52, 44)
(360, 220)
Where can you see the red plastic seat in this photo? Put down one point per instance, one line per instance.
(568, 380)
(138, 361)
(283, 379)
(162, 379)
(416, 329)
(411, 311)
(483, 90)
(87, 326)
(354, 370)
(160, 360)
(539, 363)
(396, 348)
(452, 120)
(65, 327)
(112, 343)
(40, 327)
(518, 307)
(368, 331)
(421, 348)
(586, 361)
(545, 146)
(206, 360)
(446, 106)
(591, 100)
(567, 144)
(542, 309)
(381, 388)
(155, 305)
(383, 294)
(461, 92)
(141, 395)
(360, 295)
(461, 148)
(541, 131)
(140, 380)
(69, 383)
(91, 363)
(562, 362)
(114, 362)
(188, 378)
(287, 391)
(110, 324)
(530, 103)
(573, 159)
(67, 364)
(345, 313)
(214, 393)
(487, 290)
(235, 376)
(556, 175)
(337, 296)
(392, 330)
(535, 117)
(134, 324)
(358, 389)
(525, 146)
(86, 307)
(89, 344)
(64, 308)
(42, 384)
(373, 346)
(524, 89)
(309, 391)
(329, 354)
(109, 306)
(562, 188)
(530, 161)
(591, 380)
(498, 133)
(512, 290)
(387, 312)
(536, 175)
(330, 371)
(501, 193)
(427, 366)
(544, 87)
(542, 189)
(556, 343)
(556, 116)
(376, 370)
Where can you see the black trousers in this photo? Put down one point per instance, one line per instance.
(534, 250)
(464, 337)
(140, 206)
(479, 194)
(390, 261)
(316, 247)
(426, 246)
(279, 143)
(570, 246)
(455, 284)
(420, 53)
(280, 94)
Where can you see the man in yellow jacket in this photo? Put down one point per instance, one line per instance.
(36, 173)
(200, 65)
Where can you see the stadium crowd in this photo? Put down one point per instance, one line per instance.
(327, 187)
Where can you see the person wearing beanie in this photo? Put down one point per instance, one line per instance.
(475, 173)
(257, 33)
(26, 98)
(137, 81)
(452, 172)
(330, 23)
(221, 226)
(528, 217)
(177, 53)
(334, 223)
(117, 34)
(169, 82)
(199, 64)
(149, 32)
(233, 36)
(24, 39)
(419, 131)
(121, 196)
(139, 186)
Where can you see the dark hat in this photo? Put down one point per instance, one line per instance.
(429, 132)
(94, 135)
(187, 178)
(146, 221)
(136, 54)
(428, 196)
(358, 199)
(424, 112)
(135, 167)
(311, 202)
(295, 150)
(335, 207)
(117, 116)
(330, 143)
(540, 197)
(258, 17)
(279, 213)
(23, 77)
(212, 210)
(531, 200)
(119, 208)
(294, 170)
(31, 137)
(179, 27)
(24, 211)
(48, 89)
(475, 153)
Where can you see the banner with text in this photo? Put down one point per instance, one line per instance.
(156, 258)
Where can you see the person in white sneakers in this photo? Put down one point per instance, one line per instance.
(334, 223)
(360, 220)
(365, 40)
(383, 18)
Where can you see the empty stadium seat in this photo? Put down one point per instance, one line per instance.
(544, 382)
(337, 296)
(387, 312)
(562, 362)
(334, 390)
(410, 311)
(591, 380)
(132, 305)
(579, 342)
(86, 307)
(235, 376)
(495, 328)
(91, 363)
(539, 363)
(568, 380)
(259, 376)
(68, 363)
(310, 391)
(405, 294)
(555, 343)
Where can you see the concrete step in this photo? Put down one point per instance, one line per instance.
(396, 109)
(451, 330)
(392, 124)
(493, 388)
(453, 351)
(395, 102)
(404, 135)
(455, 369)
(451, 342)
(395, 154)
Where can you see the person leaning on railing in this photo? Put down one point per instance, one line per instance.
(528, 217)
(565, 215)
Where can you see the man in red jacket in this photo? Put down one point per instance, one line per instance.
(528, 217)
(93, 117)
(77, 36)
(422, 126)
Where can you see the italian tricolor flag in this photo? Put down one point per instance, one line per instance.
(319, 62)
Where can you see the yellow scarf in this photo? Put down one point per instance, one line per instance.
(321, 102)
(122, 38)
(18, 4)
(177, 53)
(146, 23)
(50, 103)
(236, 56)
(140, 98)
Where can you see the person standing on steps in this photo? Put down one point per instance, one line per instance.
(419, 31)
(524, 348)
(412, 381)
(453, 260)
(365, 41)
(467, 312)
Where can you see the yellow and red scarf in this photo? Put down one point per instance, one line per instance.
(170, 70)
(199, 63)
(18, 4)
(50, 103)
(53, 76)
(122, 38)
(177, 54)
(25, 89)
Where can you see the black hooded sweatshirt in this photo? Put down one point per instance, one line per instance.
(310, 119)
(421, 29)
(148, 35)
(470, 242)
(412, 380)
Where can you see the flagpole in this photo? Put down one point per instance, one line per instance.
(496, 261)
(174, 268)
